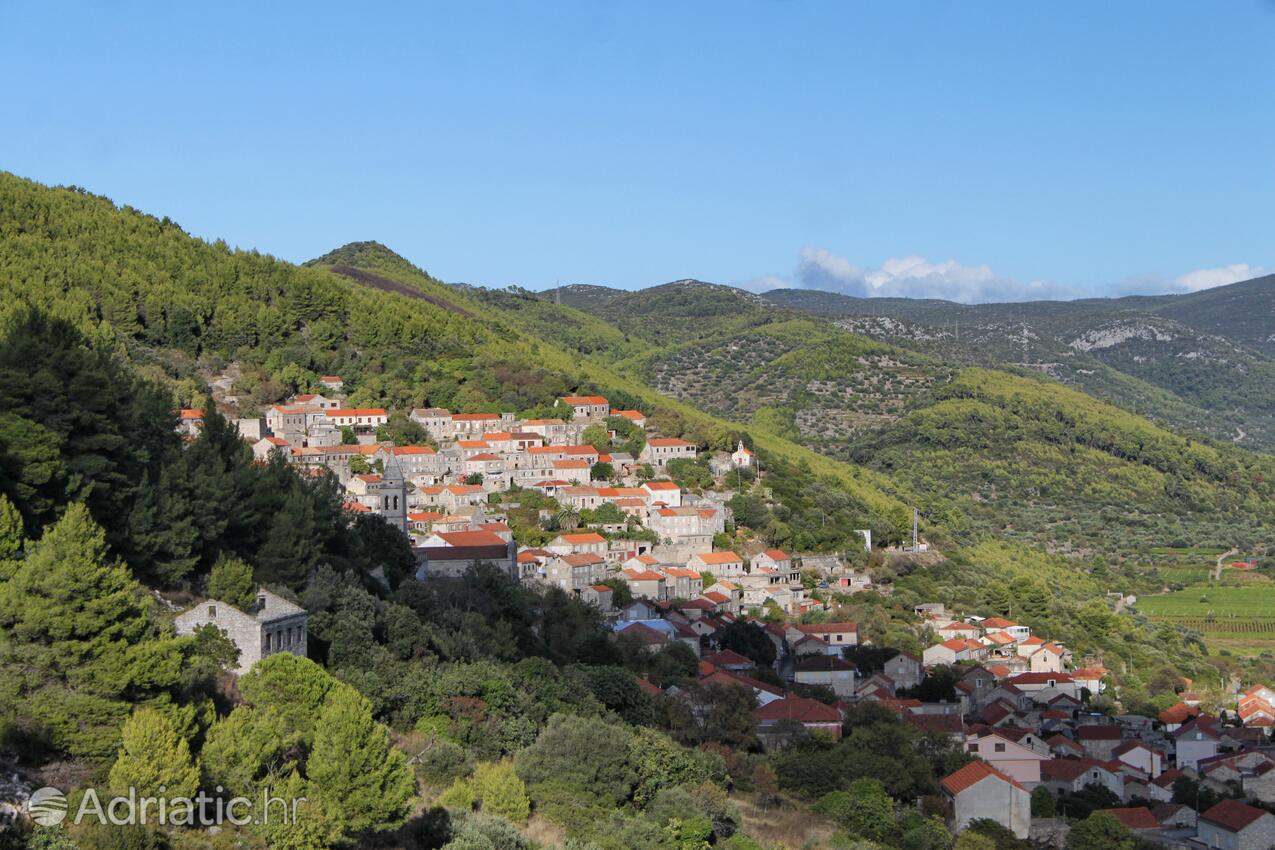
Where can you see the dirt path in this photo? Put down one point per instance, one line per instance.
(1216, 574)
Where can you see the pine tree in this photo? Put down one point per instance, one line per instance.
(231, 582)
(360, 780)
(10, 533)
(153, 757)
(290, 550)
(161, 528)
(76, 642)
(500, 792)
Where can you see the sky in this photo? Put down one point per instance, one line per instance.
(973, 151)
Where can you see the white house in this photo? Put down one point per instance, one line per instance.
(828, 670)
(1009, 757)
(1195, 740)
(979, 790)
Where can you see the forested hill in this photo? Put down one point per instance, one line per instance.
(182, 309)
(1203, 361)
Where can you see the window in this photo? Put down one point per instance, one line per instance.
(212, 612)
(973, 748)
(1000, 748)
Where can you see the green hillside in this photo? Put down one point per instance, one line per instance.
(1200, 362)
(183, 308)
(1034, 460)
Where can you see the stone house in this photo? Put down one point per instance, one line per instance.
(905, 670)
(586, 406)
(272, 624)
(979, 790)
(1232, 825)
(720, 564)
(660, 450)
(365, 419)
(574, 572)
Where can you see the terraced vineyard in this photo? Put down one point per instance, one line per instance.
(1237, 615)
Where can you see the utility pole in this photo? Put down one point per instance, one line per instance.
(916, 516)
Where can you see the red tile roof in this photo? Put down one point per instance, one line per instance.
(355, 411)
(1232, 815)
(1098, 733)
(1041, 678)
(717, 558)
(471, 538)
(800, 709)
(728, 656)
(972, 774)
(1135, 817)
(827, 628)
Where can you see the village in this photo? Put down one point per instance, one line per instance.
(622, 535)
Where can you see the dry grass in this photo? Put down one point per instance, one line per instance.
(785, 825)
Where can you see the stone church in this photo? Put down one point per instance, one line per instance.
(271, 624)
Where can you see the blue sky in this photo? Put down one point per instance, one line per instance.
(970, 150)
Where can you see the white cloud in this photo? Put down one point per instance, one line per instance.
(1209, 278)
(917, 277)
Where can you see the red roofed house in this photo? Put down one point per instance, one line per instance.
(948, 652)
(1232, 825)
(1045, 686)
(575, 571)
(775, 559)
(1100, 742)
(1136, 818)
(684, 583)
(835, 635)
(666, 492)
(815, 716)
(331, 382)
(1141, 756)
(645, 584)
(979, 790)
(191, 421)
(582, 543)
(720, 564)
(660, 450)
(1174, 716)
(586, 406)
(637, 417)
(358, 418)
(599, 595)
(1071, 775)
(999, 624)
(1196, 739)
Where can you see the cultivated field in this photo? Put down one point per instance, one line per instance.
(1236, 614)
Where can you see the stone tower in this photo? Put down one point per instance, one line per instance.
(391, 493)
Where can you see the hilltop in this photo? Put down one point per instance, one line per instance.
(1200, 361)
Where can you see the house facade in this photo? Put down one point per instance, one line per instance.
(271, 625)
